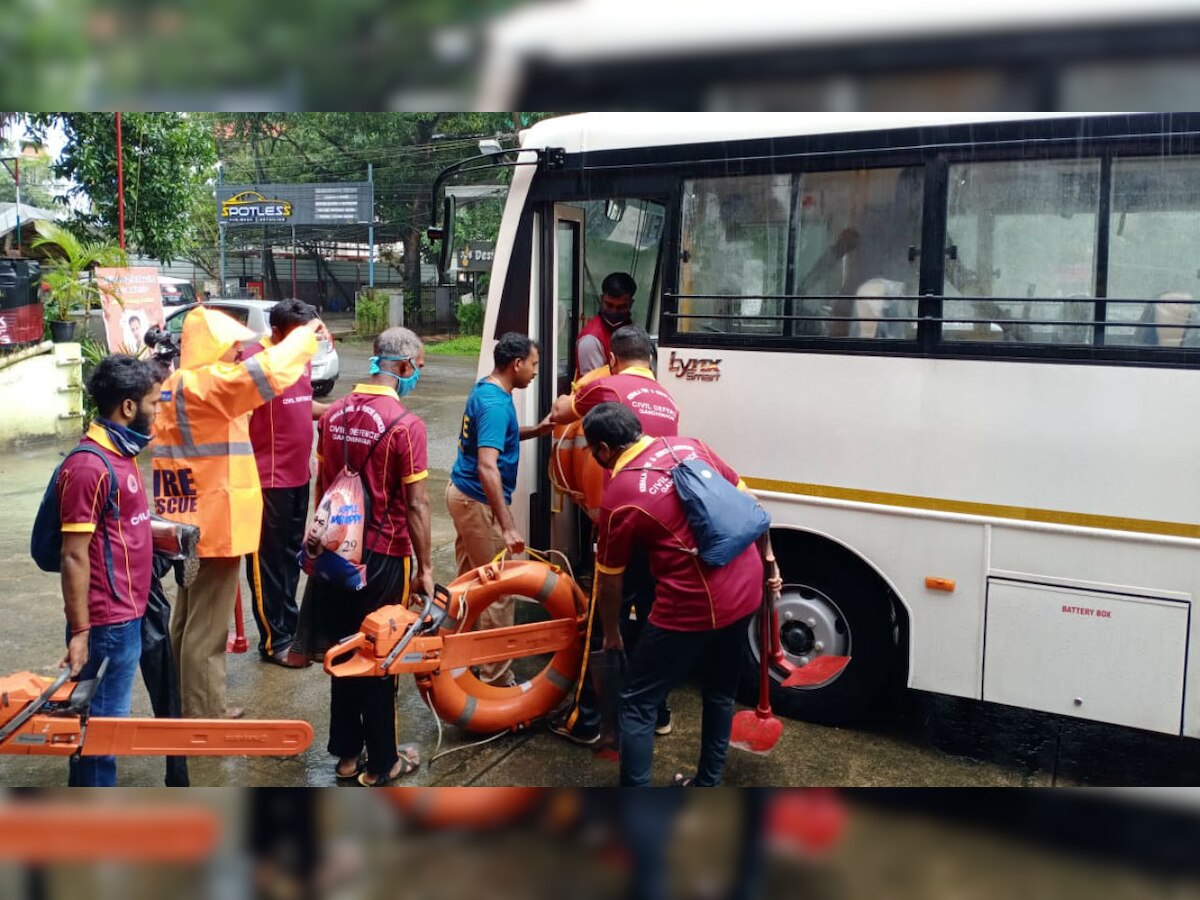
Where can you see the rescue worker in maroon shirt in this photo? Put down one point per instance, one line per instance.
(616, 309)
(633, 385)
(372, 432)
(700, 612)
(106, 559)
(282, 436)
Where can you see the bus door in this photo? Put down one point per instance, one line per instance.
(567, 270)
(592, 239)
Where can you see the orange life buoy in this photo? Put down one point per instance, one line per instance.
(573, 471)
(464, 807)
(459, 697)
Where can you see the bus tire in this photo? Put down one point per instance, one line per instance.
(831, 598)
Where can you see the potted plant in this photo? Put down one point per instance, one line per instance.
(65, 275)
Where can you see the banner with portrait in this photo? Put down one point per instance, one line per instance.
(132, 303)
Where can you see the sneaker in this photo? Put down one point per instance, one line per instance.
(584, 737)
(662, 725)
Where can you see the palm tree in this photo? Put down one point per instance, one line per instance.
(65, 272)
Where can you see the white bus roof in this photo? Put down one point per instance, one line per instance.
(612, 29)
(618, 130)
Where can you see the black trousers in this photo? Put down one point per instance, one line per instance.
(661, 661)
(158, 667)
(362, 711)
(273, 572)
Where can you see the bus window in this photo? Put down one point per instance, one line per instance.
(622, 235)
(568, 226)
(1153, 232)
(857, 252)
(854, 236)
(735, 234)
(1020, 251)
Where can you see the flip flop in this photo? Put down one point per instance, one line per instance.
(407, 767)
(351, 776)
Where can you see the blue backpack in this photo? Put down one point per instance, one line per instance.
(45, 543)
(724, 520)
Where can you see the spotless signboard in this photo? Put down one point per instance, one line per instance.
(252, 207)
(347, 203)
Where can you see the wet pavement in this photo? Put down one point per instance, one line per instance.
(920, 740)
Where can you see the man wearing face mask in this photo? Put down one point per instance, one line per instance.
(282, 435)
(205, 474)
(371, 432)
(616, 309)
(104, 607)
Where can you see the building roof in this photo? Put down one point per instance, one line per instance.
(8, 216)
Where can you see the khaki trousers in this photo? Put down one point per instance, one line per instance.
(199, 630)
(479, 539)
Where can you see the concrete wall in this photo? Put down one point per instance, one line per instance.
(41, 394)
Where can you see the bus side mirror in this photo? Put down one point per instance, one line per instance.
(446, 235)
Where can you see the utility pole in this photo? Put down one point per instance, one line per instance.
(371, 230)
(120, 189)
(221, 229)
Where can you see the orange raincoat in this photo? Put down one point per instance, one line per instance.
(203, 462)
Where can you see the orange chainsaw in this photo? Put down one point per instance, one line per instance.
(49, 717)
(434, 642)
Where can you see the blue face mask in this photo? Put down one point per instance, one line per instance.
(404, 386)
(127, 441)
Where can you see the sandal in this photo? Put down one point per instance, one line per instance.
(406, 764)
(359, 768)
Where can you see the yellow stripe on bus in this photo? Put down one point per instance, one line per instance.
(970, 508)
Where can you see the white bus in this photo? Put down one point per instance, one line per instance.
(955, 356)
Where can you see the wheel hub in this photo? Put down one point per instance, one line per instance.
(797, 638)
(810, 625)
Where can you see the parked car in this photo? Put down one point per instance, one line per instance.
(176, 291)
(255, 315)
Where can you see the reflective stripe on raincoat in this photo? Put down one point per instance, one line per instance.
(203, 462)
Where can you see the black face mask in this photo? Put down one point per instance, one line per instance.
(616, 319)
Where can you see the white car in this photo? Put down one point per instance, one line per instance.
(176, 291)
(255, 315)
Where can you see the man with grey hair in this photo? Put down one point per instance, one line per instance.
(371, 432)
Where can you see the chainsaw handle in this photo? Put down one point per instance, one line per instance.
(341, 657)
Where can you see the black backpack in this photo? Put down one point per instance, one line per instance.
(45, 543)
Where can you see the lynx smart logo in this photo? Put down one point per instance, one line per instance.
(251, 207)
(695, 369)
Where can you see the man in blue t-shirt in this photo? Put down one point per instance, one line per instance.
(485, 474)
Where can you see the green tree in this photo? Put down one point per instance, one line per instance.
(169, 160)
(406, 150)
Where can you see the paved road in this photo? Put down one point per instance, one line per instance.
(920, 740)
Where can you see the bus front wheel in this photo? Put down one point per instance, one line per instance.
(831, 605)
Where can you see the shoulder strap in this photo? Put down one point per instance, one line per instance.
(387, 428)
(383, 437)
(110, 504)
(362, 472)
(670, 450)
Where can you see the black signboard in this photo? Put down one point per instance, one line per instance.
(345, 203)
(476, 256)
